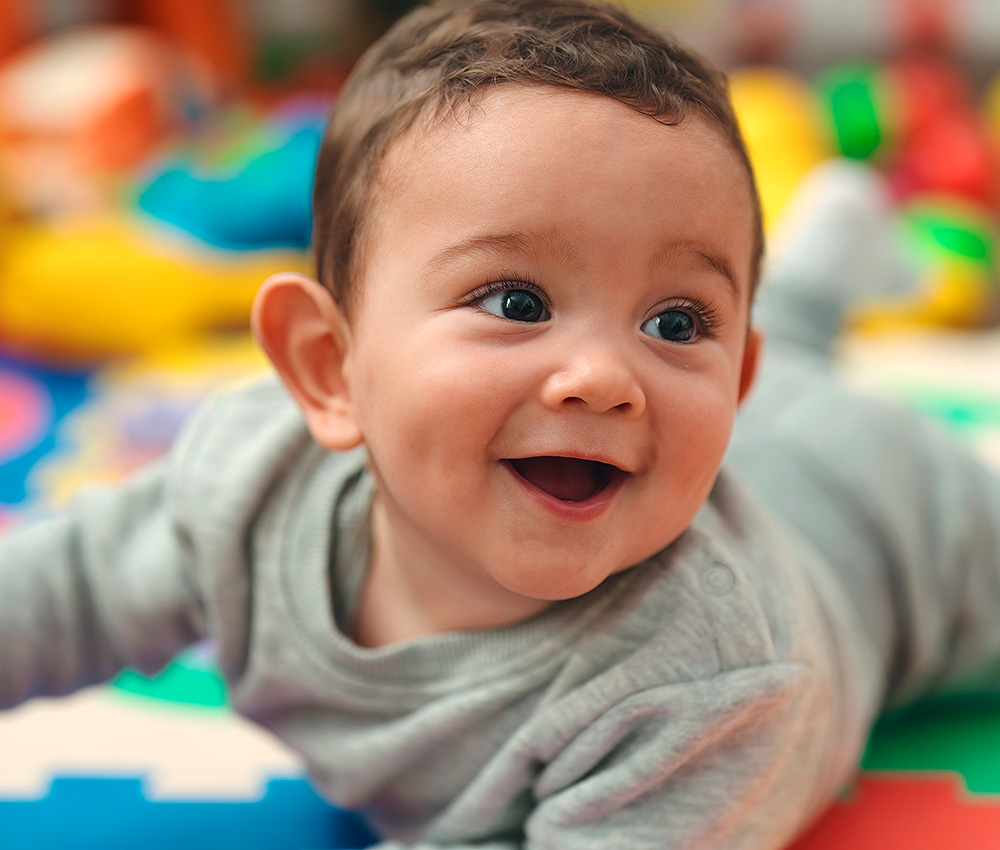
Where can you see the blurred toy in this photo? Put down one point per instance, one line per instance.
(944, 142)
(859, 108)
(261, 201)
(82, 107)
(953, 242)
(104, 286)
(915, 119)
(780, 118)
(935, 150)
(952, 155)
(916, 115)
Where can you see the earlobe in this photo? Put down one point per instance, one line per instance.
(297, 323)
(751, 361)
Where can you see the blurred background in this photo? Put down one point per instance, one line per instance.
(156, 165)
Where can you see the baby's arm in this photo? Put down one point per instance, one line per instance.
(725, 763)
(101, 586)
(903, 516)
(728, 762)
(128, 575)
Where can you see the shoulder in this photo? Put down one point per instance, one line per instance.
(238, 416)
(729, 593)
(716, 642)
(758, 577)
(235, 449)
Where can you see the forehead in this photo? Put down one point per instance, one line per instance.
(558, 161)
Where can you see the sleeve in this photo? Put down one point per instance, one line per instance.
(727, 762)
(101, 586)
(734, 762)
(904, 515)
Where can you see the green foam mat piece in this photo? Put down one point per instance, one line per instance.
(959, 734)
(191, 678)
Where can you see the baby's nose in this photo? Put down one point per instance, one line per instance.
(598, 378)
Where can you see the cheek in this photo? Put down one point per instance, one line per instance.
(428, 404)
(697, 430)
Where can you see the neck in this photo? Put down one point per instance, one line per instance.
(415, 589)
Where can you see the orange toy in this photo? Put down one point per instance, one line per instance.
(87, 105)
(212, 30)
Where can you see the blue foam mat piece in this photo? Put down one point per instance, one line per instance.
(98, 813)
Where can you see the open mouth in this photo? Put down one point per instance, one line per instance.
(569, 479)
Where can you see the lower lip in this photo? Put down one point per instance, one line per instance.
(576, 511)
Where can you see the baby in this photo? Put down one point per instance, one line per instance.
(473, 555)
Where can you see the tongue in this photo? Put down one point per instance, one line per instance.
(566, 478)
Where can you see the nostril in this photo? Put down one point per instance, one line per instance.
(577, 401)
(597, 384)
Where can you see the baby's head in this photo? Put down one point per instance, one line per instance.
(541, 235)
(438, 60)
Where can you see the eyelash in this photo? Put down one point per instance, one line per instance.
(706, 315)
(506, 284)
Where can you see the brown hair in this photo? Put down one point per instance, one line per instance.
(441, 55)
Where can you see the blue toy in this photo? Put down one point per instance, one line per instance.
(262, 203)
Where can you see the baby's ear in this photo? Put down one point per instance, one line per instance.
(752, 353)
(297, 323)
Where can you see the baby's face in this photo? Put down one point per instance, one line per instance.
(549, 344)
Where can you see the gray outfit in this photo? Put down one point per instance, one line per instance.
(712, 697)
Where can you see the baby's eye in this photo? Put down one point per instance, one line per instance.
(672, 325)
(518, 305)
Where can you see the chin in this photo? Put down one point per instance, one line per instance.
(549, 585)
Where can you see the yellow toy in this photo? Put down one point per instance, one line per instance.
(786, 137)
(107, 286)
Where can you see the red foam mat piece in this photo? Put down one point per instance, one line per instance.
(908, 812)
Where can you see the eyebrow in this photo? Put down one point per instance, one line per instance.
(500, 245)
(717, 262)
